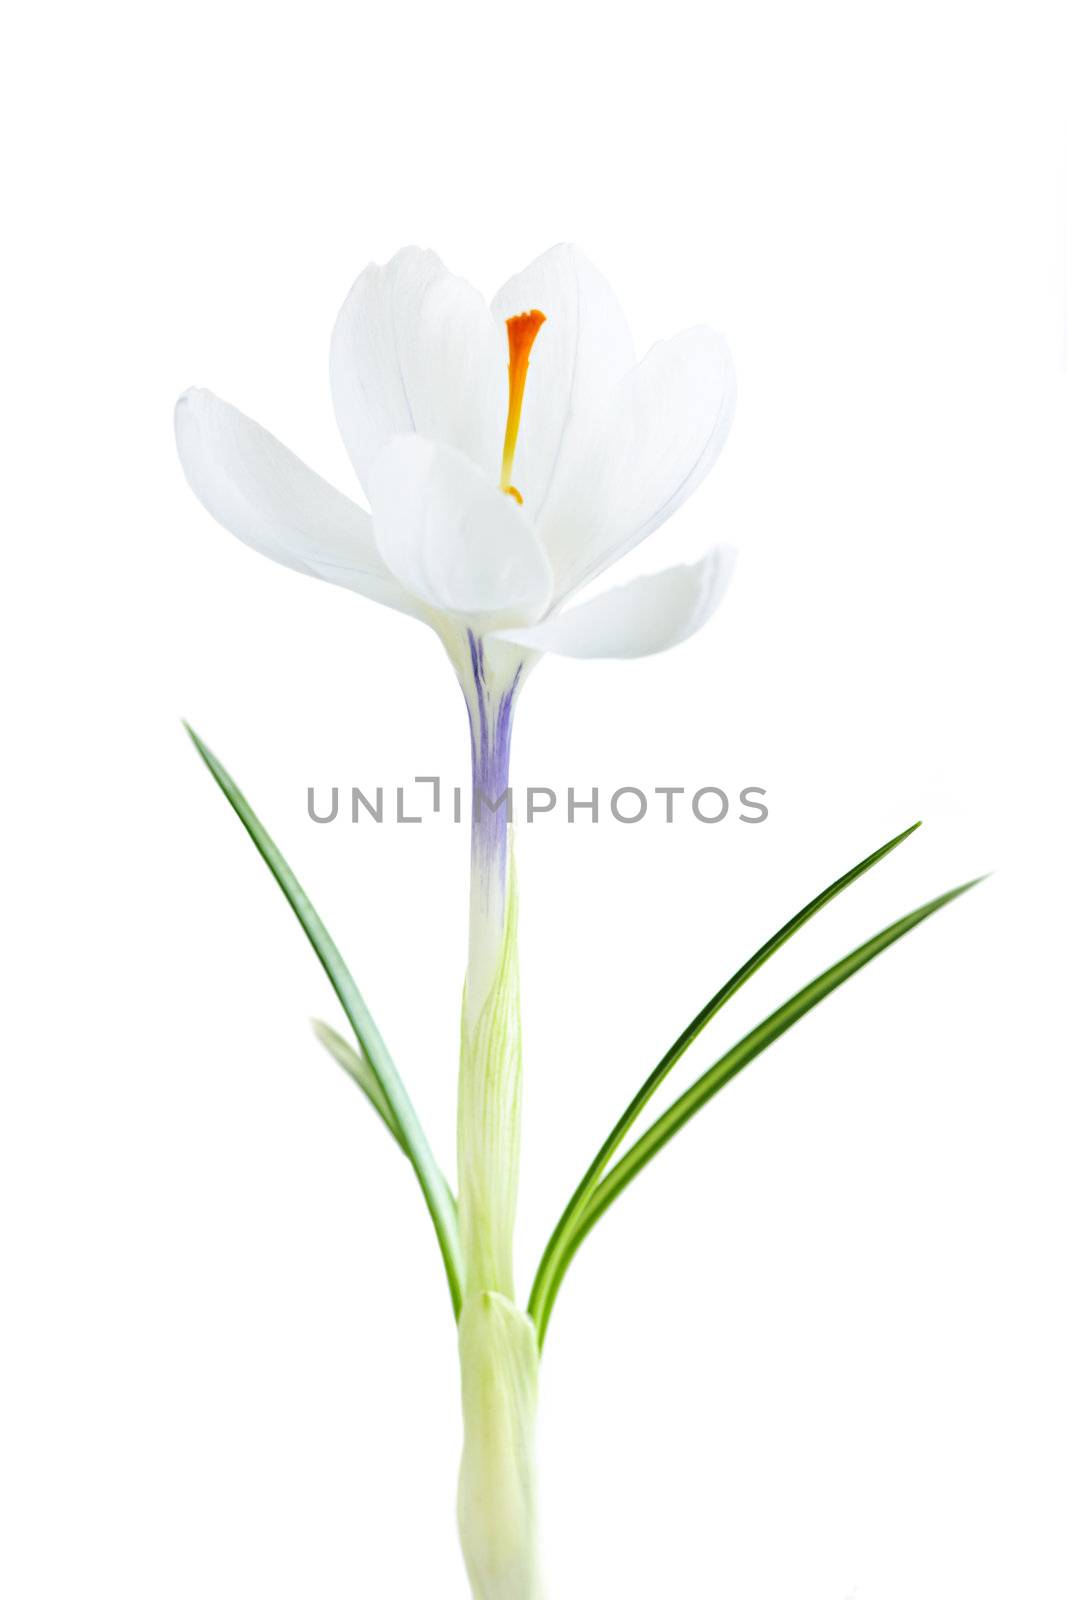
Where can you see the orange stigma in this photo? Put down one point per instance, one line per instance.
(522, 331)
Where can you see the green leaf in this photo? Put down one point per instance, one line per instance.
(439, 1199)
(349, 1058)
(557, 1244)
(706, 1087)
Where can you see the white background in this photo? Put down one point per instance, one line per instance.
(816, 1352)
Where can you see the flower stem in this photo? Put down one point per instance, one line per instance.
(497, 1342)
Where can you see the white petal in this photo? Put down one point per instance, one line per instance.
(265, 495)
(580, 354)
(450, 535)
(639, 618)
(652, 447)
(417, 350)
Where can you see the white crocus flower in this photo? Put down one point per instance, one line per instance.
(510, 453)
(444, 400)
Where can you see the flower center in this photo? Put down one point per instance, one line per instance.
(522, 331)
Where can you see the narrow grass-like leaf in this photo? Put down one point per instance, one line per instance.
(436, 1192)
(708, 1085)
(557, 1244)
(350, 1060)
